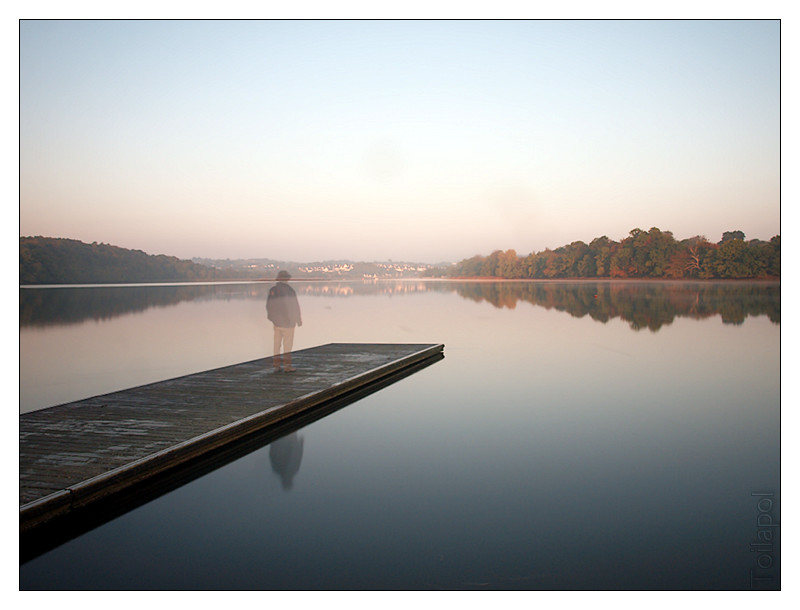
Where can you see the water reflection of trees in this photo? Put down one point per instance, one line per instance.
(72, 305)
(50, 306)
(642, 304)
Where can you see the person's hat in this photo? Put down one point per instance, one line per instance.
(284, 275)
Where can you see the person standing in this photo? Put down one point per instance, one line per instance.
(283, 311)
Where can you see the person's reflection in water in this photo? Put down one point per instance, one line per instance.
(285, 456)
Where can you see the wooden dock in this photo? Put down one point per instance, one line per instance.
(77, 454)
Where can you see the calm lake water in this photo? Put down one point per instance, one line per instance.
(577, 435)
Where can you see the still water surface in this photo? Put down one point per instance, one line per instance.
(577, 435)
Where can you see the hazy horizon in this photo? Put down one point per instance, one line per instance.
(394, 259)
(423, 141)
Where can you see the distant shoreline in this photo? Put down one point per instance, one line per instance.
(477, 280)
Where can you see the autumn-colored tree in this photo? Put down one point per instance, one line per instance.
(509, 265)
(732, 260)
(602, 249)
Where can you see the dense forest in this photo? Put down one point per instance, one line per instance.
(47, 260)
(643, 254)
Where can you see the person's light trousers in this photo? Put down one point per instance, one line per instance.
(282, 336)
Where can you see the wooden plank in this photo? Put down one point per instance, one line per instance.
(75, 454)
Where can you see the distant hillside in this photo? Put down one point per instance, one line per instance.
(48, 260)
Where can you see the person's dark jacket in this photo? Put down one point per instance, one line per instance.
(283, 310)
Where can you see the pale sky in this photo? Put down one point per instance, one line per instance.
(407, 140)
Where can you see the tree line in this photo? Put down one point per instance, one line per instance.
(642, 254)
(49, 260)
